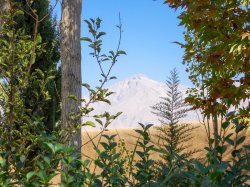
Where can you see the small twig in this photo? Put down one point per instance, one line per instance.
(92, 137)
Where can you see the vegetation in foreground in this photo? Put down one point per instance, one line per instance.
(30, 156)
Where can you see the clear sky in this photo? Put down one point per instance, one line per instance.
(149, 28)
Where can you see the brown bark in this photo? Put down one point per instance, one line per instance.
(71, 63)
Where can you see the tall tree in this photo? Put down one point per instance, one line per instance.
(71, 66)
(217, 43)
(47, 61)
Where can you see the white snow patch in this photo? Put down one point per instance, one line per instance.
(134, 97)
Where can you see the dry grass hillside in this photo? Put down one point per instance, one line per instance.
(130, 137)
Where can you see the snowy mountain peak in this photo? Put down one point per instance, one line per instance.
(135, 83)
(139, 77)
(134, 97)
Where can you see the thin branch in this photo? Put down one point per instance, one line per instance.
(110, 68)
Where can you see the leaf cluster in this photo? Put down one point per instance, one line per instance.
(216, 52)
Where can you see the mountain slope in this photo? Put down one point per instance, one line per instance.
(134, 97)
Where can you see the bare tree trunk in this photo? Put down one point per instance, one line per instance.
(216, 136)
(71, 63)
(216, 131)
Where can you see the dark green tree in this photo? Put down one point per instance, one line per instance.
(39, 93)
(173, 136)
(47, 61)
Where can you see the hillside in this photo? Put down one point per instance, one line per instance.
(134, 96)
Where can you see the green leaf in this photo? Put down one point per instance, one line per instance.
(240, 140)
(42, 175)
(58, 147)
(87, 86)
(99, 121)
(105, 145)
(118, 114)
(112, 136)
(113, 77)
(39, 72)
(115, 156)
(201, 168)
(230, 141)
(86, 39)
(51, 146)
(52, 77)
(38, 39)
(121, 52)
(47, 160)
(98, 22)
(139, 131)
(84, 163)
(239, 128)
(225, 124)
(148, 126)
(214, 175)
(106, 101)
(90, 123)
(73, 97)
(29, 175)
(2, 162)
(235, 153)
(100, 34)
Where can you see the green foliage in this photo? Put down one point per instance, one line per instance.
(105, 62)
(30, 156)
(221, 172)
(111, 163)
(172, 136)
(172, 108)
(144, 165)
(216, 53)
(47, 61)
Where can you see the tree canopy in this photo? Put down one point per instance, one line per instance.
(217, 48)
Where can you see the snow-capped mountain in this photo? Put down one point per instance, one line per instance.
(134, 97)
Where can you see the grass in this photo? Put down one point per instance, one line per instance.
(129, 137)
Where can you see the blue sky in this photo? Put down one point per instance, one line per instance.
(149, 28)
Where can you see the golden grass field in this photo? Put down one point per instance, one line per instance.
(129, 136)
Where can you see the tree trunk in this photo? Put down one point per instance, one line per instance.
(71, 63)
(216, 136)
(216, 131)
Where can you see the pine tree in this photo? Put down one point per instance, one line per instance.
(40, 91)
(47, 62)
(172, 136)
